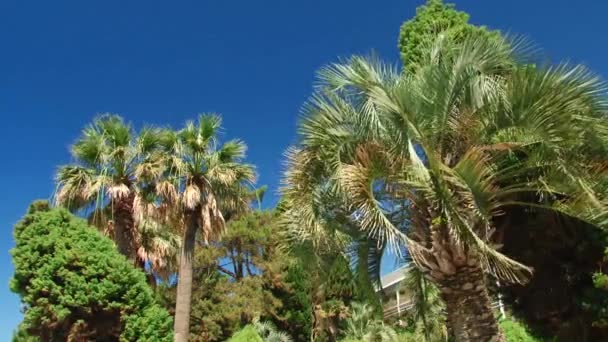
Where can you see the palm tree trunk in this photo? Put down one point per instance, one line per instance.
(458, 273)
(122, 212)
(184, 284)
(469, 308)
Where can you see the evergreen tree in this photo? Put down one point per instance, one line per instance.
(431, 20)
(76, 286)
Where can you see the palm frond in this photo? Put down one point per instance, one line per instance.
(116, 132)
(192, 196)
(74, 183)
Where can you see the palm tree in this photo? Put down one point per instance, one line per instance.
(340, 264)
(270, 333)
(201, 180)
(449, 150)
(363, 326)
(110, 162)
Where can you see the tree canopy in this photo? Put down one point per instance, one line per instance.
(432, 19)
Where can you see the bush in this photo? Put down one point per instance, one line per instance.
(247, 334)
(76, 286)
(516, 332)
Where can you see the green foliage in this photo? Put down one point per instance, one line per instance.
(294, 315)
(21, 335)
(406, 336)
(431, 20)
(516, 332)
(600, 279)
(247, 334)
(270, 333)
(244, 276)
(596, 300)
(220, 306)
(427, 313)
(151, 324)
(74, 284)
(513, 330)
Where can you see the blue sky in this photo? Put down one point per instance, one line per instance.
(162, 62)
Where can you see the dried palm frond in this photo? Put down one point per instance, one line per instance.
(192, 196)
(116, 192)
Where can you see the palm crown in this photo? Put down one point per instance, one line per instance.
(201, 175)
(110, 162)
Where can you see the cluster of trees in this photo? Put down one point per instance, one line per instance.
(477, 163)
(156, 191)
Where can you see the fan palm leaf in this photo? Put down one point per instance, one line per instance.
(110, 162)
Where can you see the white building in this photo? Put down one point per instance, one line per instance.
(395, 298)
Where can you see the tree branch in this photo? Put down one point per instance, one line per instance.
(227, 271)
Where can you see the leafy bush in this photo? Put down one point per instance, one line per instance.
(247, 334)
(516, 332)
(76, 286)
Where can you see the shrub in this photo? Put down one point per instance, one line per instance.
(247, 334)
(76, 286)
(516, 332)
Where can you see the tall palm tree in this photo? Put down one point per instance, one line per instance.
(451, 148)
(110, 161)
(202, 180)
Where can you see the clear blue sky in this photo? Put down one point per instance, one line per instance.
(161, 62)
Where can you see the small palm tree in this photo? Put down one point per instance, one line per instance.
(431, 160)
(270, 333)
(202, 179)
(363, 326)
(110, 162)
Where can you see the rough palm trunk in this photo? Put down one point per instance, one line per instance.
(315, 302)
(458, 273)
(122, 212)
(184, 283)
(468, 305)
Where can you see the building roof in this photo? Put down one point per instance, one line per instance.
(393, 277)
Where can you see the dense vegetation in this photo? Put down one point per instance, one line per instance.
(481, 167)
